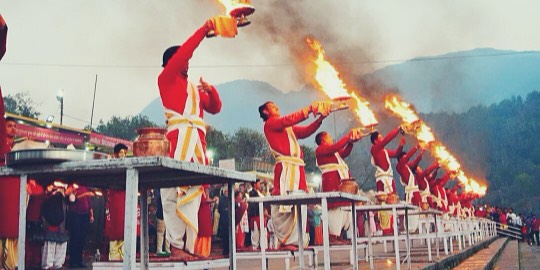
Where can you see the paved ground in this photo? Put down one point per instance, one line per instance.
(529, 256)
(478, 260)
(509, 259)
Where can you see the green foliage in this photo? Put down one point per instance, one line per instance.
(21, 104)
(498, 143)
(125, 128)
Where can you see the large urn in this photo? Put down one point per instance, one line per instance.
(348, 185)
(151, 142)
(392, 198)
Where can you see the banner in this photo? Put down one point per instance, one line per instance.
(46, 134)
(100, 139)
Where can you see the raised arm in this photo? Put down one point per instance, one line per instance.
(389, 137)
(3, 36)
(288, 120)
(395, 152)
(336, 147)
(303, 132)
(417, 160)
(3, 145)
(180, 60)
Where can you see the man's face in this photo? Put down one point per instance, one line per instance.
(121, 154)
(11, 129)
(272, 109)
(327, 139)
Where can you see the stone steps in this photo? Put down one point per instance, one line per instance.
(509, 259)
(484, 258)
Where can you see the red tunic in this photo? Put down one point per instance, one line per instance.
(205, 217)
(378, 154)
(404, 169)
(326, 154)
(277, 137)
(9, 196)
(114, 221)
(173, 86)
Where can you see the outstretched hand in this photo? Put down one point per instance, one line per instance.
(2, 22)
(401, 141)
(204, 86)
(210, 25)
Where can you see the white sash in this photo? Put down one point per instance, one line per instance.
(384, 176)
(341, 167)
(189, 146)
(410, 187)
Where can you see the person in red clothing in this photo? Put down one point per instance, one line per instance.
(424, 177)
(9, 202)
(184, 105)
(329, 157)
(380, 158)
(282, 134)
(115, 213)
(407, 177)
(203, 245)
(438, 194)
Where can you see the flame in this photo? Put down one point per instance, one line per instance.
(424, 135)
(445, 158)
(330, 83)
(408, 115)
(401, 109)
(363, 112)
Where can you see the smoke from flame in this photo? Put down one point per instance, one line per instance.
(328, 81)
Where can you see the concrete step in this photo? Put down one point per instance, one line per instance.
(484, 258)
(509, 259)
(529, 256)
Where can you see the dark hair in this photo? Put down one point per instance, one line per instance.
(9, 118)
(319, 137)
(168, 54)
(374, 136)
(400, 155)
(120, 146)
(263, 115)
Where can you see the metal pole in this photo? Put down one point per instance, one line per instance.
(61, 110)
(93, 102)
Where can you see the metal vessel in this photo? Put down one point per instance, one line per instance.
(49, 155)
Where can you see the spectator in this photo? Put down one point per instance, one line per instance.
(80, 215)
(535, 229)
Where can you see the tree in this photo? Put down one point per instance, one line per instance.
(21, 104)
(125, 128)
(249, 144)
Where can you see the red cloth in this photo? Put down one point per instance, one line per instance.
(9, 206)
(403, 167)
(114, 221)
(205, 218)
(276, 135)
(536, 225)
(173, 86)
(325, 154)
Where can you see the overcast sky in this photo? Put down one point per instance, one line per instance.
(63, 44)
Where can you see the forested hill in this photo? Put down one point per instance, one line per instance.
(502, 140)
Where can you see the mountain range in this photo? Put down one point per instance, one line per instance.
(452, 82)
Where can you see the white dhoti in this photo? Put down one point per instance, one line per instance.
(285, 225)
(181, 204)
(339, 219)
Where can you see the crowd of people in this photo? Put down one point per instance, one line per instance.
(527, 223)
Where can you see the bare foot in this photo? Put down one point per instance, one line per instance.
(180, 255)
(289, 247)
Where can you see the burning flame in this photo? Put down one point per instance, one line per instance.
(445, 158)
(228, 4)
(402, 109)
(424, 135)
(330, 83)
(408, 115)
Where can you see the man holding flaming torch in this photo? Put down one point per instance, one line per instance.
(282, 134)
(184, 105)
(329, 157)
(380, 158)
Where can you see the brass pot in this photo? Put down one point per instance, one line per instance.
(348, 185)
(424, 206)
(381, 197)
(392, 198)
(151, 142)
